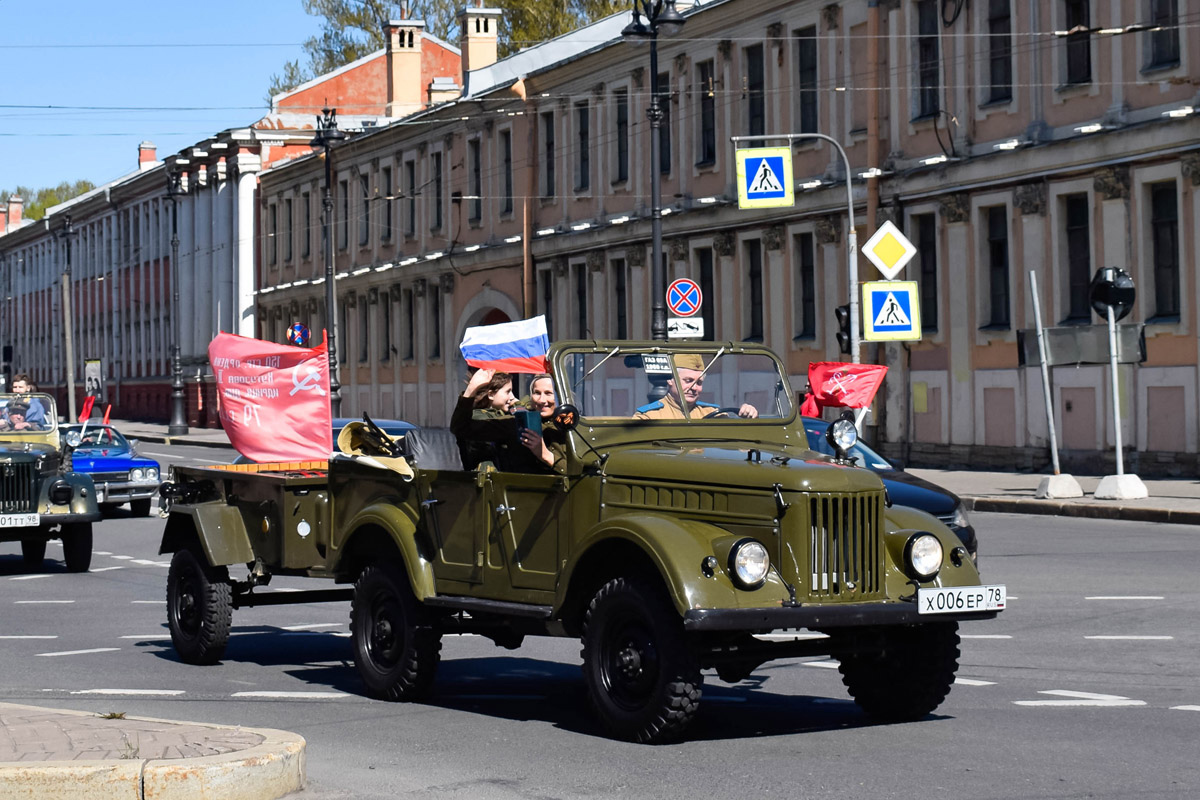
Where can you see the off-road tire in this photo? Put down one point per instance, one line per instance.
(643, 679)
(396, 646)
(140, 508)
(77, 546)
(909, 677)
(33, 553)
(199, 608)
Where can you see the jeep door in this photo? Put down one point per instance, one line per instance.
(523, 544)
(453, 511)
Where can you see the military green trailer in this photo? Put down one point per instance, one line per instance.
(690, 520)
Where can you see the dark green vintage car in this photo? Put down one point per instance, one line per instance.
(41, 497)
(691, 518)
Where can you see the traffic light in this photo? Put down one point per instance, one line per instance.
(842, 314)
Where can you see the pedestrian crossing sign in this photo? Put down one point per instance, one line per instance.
(764, 177)
(891, 311)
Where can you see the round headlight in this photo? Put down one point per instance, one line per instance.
(135, 474)
(923, 555)
(748, 563)
(61, 492)
(841, 435)
(151, 474)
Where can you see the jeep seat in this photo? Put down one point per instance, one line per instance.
(432, 448)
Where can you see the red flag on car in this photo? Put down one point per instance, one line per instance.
(849, 385)
(86, 412)
(273, 399)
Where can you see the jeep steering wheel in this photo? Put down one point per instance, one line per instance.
(725, 411)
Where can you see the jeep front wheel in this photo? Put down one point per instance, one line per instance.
(77, 546)
(33, 553)
(199, 608)
(396, 647)
(140, 508)
(643, 680)
(908, 676)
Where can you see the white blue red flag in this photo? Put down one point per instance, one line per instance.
(519, 346)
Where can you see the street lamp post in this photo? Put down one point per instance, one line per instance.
(327, 134)
(178, 424)
(651, 17)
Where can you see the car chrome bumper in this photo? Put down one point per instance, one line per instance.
(815, 617)
(124, 492)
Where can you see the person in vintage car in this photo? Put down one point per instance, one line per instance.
(690, 368)
(120, 473)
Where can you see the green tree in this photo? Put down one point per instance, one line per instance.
(354, 28)
(38, 200)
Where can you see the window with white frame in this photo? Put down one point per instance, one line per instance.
(997, 312)
(806, 79)
(1163, 50)
(475, 181)
(1164, 249)
(805, 290)
(1077, 17)
(706, 124)
(583, 147)
(754, 290)
(1077, 237)
(547, 130)
(925, 238)
(927, 57)
(999, 43)
(621, 135)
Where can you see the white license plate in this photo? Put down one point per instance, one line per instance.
(961, 599)
(18, 520)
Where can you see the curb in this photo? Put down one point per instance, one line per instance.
(267, 771)
(1075, 509)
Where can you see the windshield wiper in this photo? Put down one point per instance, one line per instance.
(599, 364)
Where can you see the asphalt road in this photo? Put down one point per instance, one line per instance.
(1087, 686)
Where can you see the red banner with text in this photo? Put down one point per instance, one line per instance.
(838, 384)
(273, 399)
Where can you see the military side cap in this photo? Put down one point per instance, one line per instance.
(689, 361)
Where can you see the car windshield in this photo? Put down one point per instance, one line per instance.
(627, 382)
(862, 455)
(101, 436)
(32, 414)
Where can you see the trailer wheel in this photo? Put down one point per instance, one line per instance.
(199, 608)
(77, 546)
(396, 646)
(909, 676)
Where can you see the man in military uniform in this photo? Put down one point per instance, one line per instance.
(690, 368)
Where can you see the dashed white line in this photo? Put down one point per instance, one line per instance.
(133, 692)
(1132, 638)
(29, 636)
(1091, 699)
(1185, 708)
(973, 682)
(81, 652)
(123, 558)
(147, 637)
(148, 602)
(314, 626)
(1125, 597)
(43, 602)
(107, 569)
(102, 552)
(293, 695)
(29, 577)
(984, 636)
(146, 563)
(830, 664)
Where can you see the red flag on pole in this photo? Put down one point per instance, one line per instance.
(849, 385)
(107, 411)
(273, 399)
(86, 412)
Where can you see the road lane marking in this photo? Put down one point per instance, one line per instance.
(29, 577)
(973, 682)
(81, 652)
(176, 456)
(26, 636)
(146, 563)
(313, 626)
(107, 569)
(1090, 699)
(148, 602)
(133, 692)
(828, 664)
(43, 602)
(984, 636)
(102, 552)
(1125, 597)
(154, 636)
(123, 558)
(1132, 638)
(1185, 708)
(294, 695)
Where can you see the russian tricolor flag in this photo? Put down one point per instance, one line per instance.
(519, 346)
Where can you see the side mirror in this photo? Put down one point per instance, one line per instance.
(73, 439)
(566, 417)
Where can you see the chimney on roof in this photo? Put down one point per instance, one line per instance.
(3, 220)
(147, 155)
(403, 51)
(15, 205)
(478, 31)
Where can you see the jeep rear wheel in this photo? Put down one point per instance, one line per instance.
(643, 680)
(396, 647)
(909, 676)
(33, 553)
(77, 546)
(199, 608)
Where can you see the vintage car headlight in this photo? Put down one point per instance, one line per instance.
(136, 474)
(841, 435)
(749, 563)
(923, 555)
(61, 492)
(151, 473)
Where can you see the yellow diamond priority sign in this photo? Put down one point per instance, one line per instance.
(889, 250)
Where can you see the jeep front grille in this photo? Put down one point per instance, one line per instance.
(845, 542)
(17, 482)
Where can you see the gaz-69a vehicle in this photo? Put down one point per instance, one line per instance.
(41, 496)
(691, 518)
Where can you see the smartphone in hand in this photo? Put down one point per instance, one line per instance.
(528, 419)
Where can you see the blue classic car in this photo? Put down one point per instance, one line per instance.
(120, 474)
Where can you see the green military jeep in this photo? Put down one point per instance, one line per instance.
(669, 544)
(41, 498)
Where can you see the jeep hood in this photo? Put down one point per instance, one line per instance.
(17, 451)
(742, 464)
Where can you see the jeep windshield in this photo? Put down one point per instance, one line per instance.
(642, 384)
(27, 414)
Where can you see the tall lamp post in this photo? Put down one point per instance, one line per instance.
(327, 134)
(178, 424)
(650, 18)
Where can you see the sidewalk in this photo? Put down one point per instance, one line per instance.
(48, 753)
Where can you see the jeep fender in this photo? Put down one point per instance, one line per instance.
(217, 526)
(900, 522)
(678, 549)
(401, 531)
